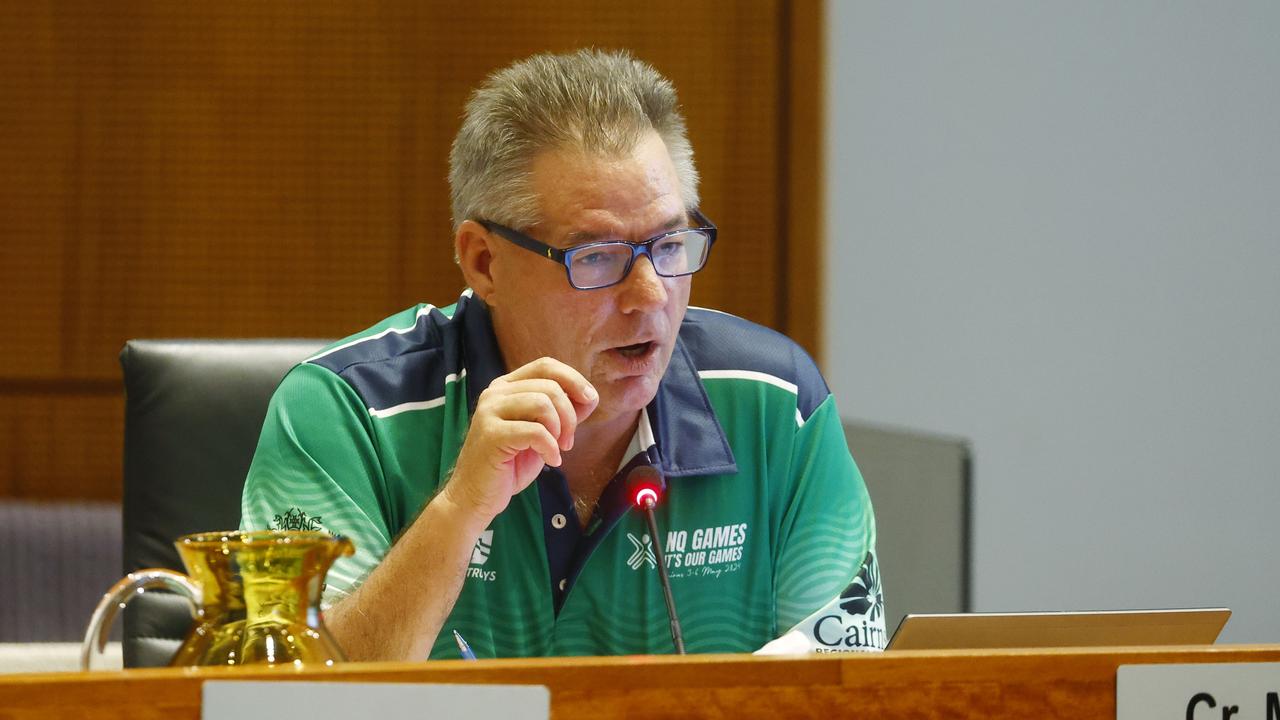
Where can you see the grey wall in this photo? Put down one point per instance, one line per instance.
(1053, 229)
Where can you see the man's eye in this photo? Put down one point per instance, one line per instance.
(595, 257)
(669, 247)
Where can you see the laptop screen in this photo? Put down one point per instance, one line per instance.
(1191, 626)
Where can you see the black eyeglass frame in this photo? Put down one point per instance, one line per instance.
(565, 257)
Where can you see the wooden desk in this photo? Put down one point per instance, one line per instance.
(1074, 683)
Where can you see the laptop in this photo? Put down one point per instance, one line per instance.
(1189, 626)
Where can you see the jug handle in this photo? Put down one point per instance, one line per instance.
(122, 592)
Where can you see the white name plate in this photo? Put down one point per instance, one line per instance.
(272, 700)
(1204, 691)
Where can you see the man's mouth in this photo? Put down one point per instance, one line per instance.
(635, 351)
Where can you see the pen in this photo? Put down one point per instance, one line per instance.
(463, 648)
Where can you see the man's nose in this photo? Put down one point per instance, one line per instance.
(643, 288)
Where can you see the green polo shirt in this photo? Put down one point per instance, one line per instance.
(764, 519)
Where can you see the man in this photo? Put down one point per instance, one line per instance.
(478, 454)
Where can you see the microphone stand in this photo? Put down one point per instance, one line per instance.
(677, 638)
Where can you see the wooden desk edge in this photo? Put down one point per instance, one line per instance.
(985, 682)
(808, 666)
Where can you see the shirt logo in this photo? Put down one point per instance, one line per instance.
(296, 518)
(480, 556)
(484, 544)
(643, 552)
(708, 551)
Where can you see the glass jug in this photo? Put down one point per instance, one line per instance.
(254, 595)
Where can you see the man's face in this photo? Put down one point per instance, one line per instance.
(621, 337)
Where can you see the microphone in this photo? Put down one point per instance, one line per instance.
(646, 488)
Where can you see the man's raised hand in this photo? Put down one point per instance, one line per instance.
(522, 421)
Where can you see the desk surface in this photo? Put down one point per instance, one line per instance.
(1061, 683)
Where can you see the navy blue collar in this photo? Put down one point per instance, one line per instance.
(690, 440)
(481, 355)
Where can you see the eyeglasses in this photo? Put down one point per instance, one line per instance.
(601, 264)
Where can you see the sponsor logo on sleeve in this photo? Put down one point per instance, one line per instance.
(864, 596)
(855, 620)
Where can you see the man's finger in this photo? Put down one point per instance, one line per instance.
(575, 385)
(532, 406)
(564, 407)
(520, 435)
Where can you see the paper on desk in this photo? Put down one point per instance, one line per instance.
(793, 643)
(272, 700)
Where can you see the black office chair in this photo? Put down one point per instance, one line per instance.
(193, 412)
(921, 487)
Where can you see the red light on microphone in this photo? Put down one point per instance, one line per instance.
(645, 496)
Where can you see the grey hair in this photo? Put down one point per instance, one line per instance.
(599, 102)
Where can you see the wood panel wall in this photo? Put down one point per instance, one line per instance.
(243, 169)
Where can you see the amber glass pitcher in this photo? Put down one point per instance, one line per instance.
(255, 598)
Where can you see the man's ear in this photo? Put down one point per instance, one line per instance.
(473, 245)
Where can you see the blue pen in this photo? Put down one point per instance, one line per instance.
(463, 647)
